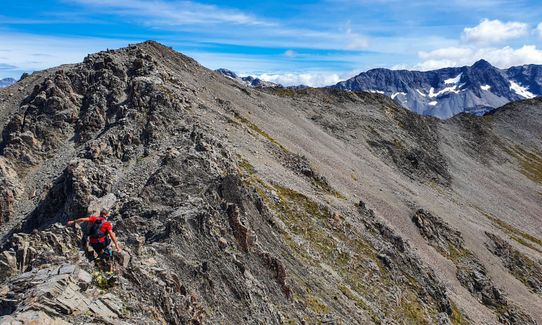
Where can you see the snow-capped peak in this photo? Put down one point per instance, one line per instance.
(477, 89)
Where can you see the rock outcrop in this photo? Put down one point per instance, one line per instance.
(521, 266)
(471, 273)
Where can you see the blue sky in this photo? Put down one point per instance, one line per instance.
(310, 42)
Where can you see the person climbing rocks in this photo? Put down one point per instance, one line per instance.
(100, 235)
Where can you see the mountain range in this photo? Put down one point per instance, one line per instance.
(7, 82)
(262, 205)
(247, 80)
(443, 93)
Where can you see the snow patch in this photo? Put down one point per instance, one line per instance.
(433, 103)
(485, 87)
(520, 90)
(452, 89)
(376, 91)
(397, 94)
(419, 92)
(451, 86)
(453, 81)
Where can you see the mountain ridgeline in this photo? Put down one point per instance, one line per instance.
(248, 205)
(249, 81)
(7, 82)
(443, 93)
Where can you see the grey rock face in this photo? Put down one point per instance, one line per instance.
(521, 266)
(471, 273)
(443, 93)
(47, 281)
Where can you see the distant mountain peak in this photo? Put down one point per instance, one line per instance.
(227, 73)
(247, 81)
(482, 64)
(443, 93)
(6, 82)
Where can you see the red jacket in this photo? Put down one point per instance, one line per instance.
(102, 232)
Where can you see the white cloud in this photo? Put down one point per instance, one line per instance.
(189, 16)
(538, 30)
(479, 39)
(500, 57)
(173, 13)
(355, 41)
(455, 53)
(290, 53)
(494, 31)
(27, 52)
(313, 79)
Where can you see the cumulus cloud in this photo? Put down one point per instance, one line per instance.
(313, 79)
(538, 30)
(494, 31)
(355, 41)
(455, 53)
(500, 57)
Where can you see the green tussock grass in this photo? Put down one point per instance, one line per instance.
(314, 224)
(326, 188)
(519, 236)
(457, 317)
(317, 306)
(520, 266)
(360, 303)
(532, 168)
(246, 167)
(414, 312)
(455, 254)
(261, 132)
(284, 92)
(530, 162)
(310, 232)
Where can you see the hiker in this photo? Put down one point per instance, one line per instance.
(100, 232)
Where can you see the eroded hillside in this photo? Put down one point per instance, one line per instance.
(240, 205)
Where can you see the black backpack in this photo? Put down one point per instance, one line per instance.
(94, 231)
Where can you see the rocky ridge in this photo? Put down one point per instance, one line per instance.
(241, 205)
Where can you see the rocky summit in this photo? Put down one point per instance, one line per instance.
(242, 205)
(443, 93)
